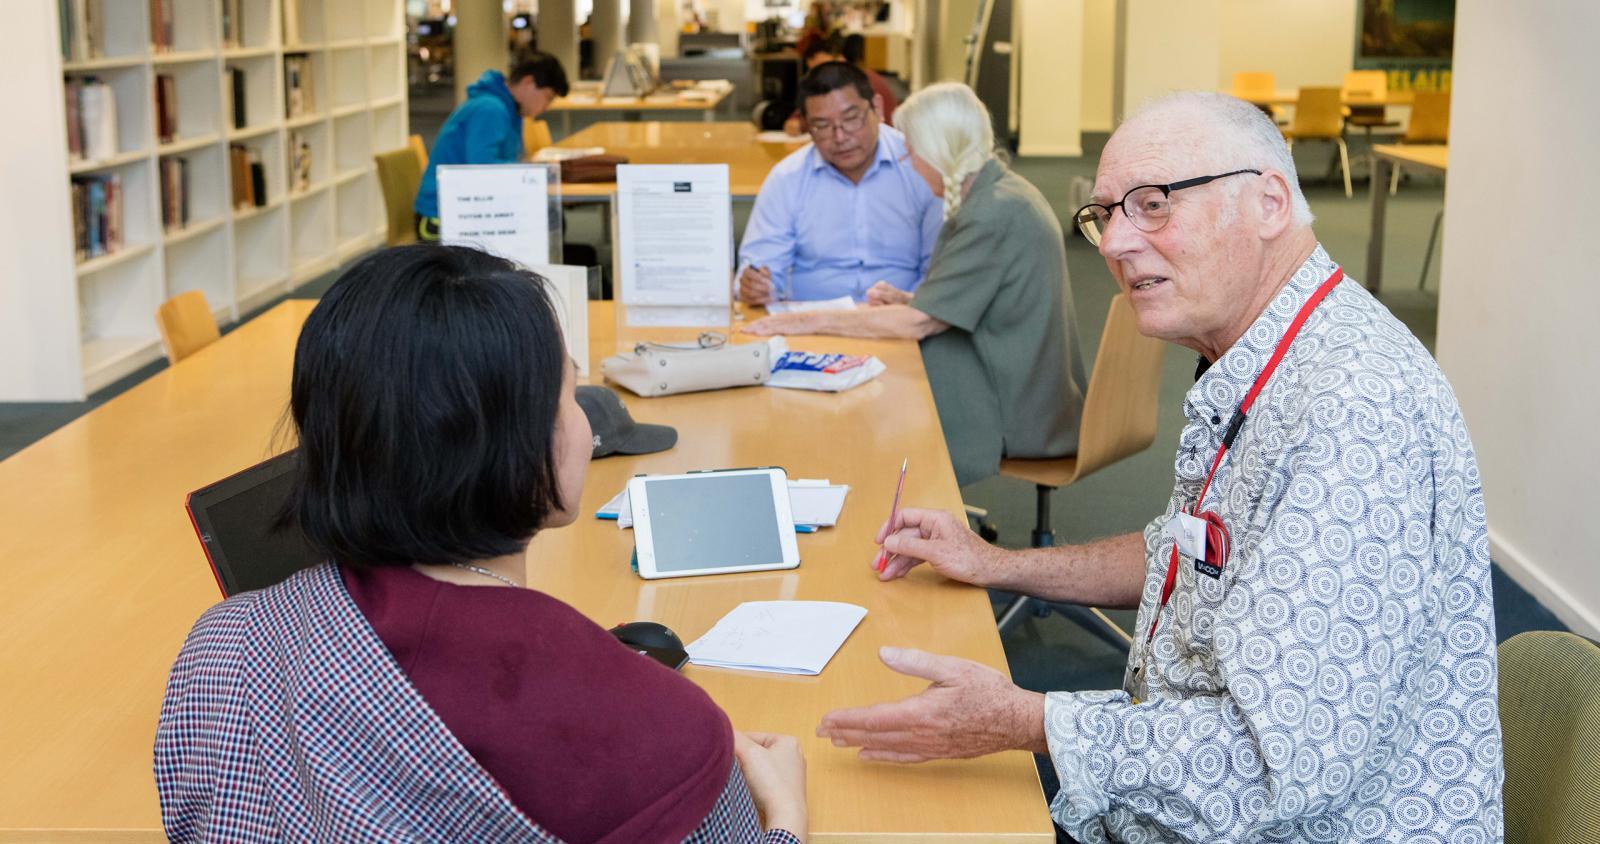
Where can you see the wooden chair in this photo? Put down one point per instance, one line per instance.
(535, 136)
(1119, 420)
(1550, 729)
(186, 325)
(1373, 86)
(1429, 124)
(415, 142)
(1317, 117)
(1259, 87)
(398, 177)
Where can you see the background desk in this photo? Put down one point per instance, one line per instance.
(104, 578)
(734, 144)
(1290, 96)
(1435, 158)
(565, 106)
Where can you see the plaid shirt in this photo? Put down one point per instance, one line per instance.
(286, 719)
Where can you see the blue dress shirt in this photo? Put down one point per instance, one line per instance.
(823, 236)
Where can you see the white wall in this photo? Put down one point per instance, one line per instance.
(1049, 70)
(1170, 46)
(37, 279)
(1099, 52)
(1302, 42)
(1519, 293)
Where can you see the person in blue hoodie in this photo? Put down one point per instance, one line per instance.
(487, 128)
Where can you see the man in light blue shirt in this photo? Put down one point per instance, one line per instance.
(838, 216)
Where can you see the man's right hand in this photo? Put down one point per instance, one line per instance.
(941, 540)
(755, 286)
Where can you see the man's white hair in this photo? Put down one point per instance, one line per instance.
(1224, 133)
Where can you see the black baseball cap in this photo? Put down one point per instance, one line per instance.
(615, 432)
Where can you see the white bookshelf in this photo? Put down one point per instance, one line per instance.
(79, 325)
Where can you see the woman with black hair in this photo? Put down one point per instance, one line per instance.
(412, 688)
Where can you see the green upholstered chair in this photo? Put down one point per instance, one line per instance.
(1550, 716)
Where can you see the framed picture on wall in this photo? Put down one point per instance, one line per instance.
(1405, 31)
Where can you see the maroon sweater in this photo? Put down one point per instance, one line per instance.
(588, 738)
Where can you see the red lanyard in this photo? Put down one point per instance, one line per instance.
(1234, 425)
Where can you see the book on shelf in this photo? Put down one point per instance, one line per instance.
(298, 86)
(234, 92)
(160, 25)
(299, 162)
(232, 24)
(83, 29)
(166, 108)
(174, 193)
(291, 22)
(249, 177)
(91, 119)
(96, 215)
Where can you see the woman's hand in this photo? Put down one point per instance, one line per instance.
(884, 293)
(775, 770)
(798, 323)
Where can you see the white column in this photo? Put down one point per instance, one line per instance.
(607, 24)
(642, 22)
(557, 33)
(479, 41)
(1050, 73)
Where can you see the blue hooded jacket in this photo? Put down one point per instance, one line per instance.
(486, 129)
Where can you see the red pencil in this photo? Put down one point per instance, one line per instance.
(894, 514)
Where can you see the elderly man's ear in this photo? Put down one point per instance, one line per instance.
(1276, 205)
(877, 105)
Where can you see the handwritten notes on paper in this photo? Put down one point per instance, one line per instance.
(785, 637)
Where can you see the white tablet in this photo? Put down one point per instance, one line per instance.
(712, 523)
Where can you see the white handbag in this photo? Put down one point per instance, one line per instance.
(712, 363)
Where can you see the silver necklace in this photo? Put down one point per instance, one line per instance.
(486, 573)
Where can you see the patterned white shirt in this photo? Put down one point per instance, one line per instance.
(1337, 682)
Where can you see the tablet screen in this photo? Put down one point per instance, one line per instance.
(713, 522)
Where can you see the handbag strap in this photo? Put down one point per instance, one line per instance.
(706, 340)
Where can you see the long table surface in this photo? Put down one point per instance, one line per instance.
(652, 142)
(1290, 96)
(105, 577)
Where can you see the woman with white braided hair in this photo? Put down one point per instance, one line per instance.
(994, 315)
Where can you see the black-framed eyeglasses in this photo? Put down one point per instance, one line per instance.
(1147, 206)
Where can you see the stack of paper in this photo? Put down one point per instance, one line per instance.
(843, 303)
(786, 637)
(811, 502)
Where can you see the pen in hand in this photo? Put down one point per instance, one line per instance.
(894, 515)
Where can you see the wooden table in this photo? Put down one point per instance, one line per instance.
(105, 577)
(733, 144)
(1435, 158)
(1289, 96)
(707, 105)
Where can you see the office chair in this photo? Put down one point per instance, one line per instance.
(186, 325)
(1119, 420)
(1550, 723)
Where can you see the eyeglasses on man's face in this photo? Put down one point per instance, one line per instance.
(851, 122)
(1147, 206)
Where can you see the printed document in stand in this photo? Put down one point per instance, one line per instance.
(674, 225)
(784, 637)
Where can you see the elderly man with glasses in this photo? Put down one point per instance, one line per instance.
(838, 216)
(1314, 656)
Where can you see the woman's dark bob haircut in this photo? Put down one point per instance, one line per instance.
(425, 390)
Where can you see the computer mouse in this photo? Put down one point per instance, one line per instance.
(647, 634)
